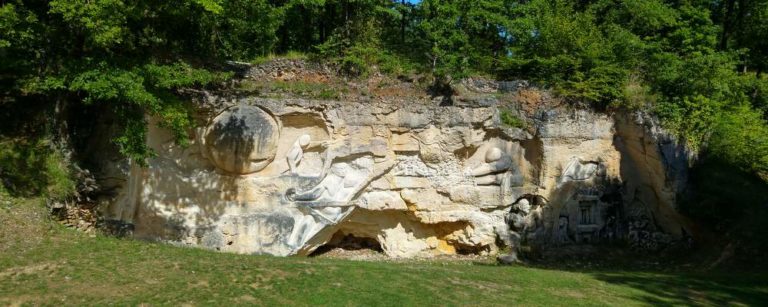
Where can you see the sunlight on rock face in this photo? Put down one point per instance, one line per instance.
(242, 140)
(282, 176)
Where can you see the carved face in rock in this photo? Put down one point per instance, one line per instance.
(242, 140)
(304, 140)
(493, 154)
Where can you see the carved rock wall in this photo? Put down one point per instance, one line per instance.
(283, 177)
(604, 179)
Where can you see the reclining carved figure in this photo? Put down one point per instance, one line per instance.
(337, 187)
(493, 170)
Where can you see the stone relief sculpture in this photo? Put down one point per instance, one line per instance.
(328, 199)
(242, 140)
(525, 218)
(296, 153)
(418, 179)
(493, 170)
(580, 170)
(562, 230)
(336, 189)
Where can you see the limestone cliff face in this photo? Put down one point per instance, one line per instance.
(286, 176)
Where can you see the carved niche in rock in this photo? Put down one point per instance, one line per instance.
(242, 139)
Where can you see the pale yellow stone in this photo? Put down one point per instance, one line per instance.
(433, 206)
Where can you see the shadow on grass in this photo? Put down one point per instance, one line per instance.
(668, 289)
(671, 284)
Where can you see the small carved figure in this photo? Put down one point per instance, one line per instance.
(336, 187)
(492, 171)
(296, 153)
(581, 170)
(562, 230)
(523, 206)
(608, 232)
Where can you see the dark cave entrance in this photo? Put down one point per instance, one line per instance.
(348, 242)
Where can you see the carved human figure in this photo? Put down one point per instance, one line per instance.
(516, 218)
(306, 225)
(338, 186)
(524, 206)
(608, 231)
(562, 230)
(579, 169)
(493, 170)
(296, 153)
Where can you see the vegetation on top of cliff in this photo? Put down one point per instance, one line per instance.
(698, 64)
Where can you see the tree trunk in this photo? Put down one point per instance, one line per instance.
(727, 23)
(402, 23)
(324, 14)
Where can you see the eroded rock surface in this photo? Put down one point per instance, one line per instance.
(242, 140)
(286, 176)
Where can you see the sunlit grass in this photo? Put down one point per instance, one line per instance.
(291, 55)
(44, 263)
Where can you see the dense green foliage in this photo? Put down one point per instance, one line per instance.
(132, 55)
(34, 169)
(698, 64)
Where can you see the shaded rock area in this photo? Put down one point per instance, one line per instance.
(404, 176)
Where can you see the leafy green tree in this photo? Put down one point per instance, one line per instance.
(740, 138)
(698, 65)
(557, 45)
(135, 55)
(462, 37)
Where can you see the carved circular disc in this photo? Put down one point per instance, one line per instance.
(242, 140)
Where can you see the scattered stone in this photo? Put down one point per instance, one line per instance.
(508, 259)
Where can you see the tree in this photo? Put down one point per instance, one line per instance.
(134, 55)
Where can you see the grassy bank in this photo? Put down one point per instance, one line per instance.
(44, 263)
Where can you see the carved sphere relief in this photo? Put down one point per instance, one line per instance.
(242, 140)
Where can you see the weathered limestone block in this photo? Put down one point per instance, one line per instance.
(480, 196)
(403, 182)
(575, 124)
(404, 142)
(598, 176)
(285, 176)
(398, 242)
(382, 200)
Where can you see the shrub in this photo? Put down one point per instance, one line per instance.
(740, 138)
(291, 55)
(511, 120)
(34, 167)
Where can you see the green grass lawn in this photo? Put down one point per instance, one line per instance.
(42, 262)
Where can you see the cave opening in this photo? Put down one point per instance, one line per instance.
(348, 242)
(463, 249)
